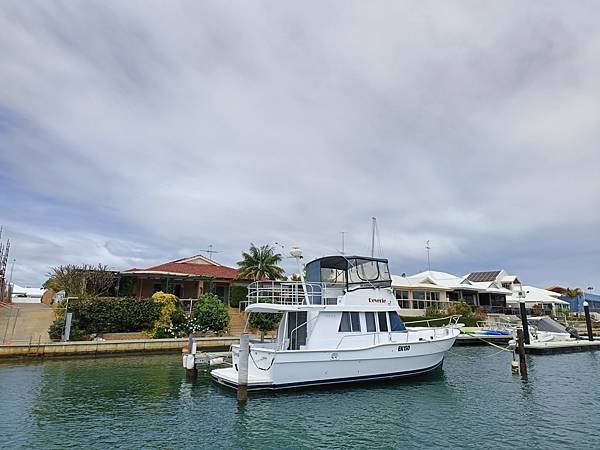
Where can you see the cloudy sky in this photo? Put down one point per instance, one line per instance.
(132, 133)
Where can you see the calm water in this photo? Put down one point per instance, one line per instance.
(147, 402)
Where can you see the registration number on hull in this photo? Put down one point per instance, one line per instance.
(403, 348)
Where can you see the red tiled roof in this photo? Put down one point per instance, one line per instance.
(207, 270)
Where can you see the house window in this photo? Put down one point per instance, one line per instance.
(433, 296)
(370, 319)
(419, 300)
(402, 298)
(350, 323)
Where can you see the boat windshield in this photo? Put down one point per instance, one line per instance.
(355, 272)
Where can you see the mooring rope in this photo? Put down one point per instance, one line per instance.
(260, 368)
(490, 343)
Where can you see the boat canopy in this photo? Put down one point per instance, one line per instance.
(353, 272)
(547, 324)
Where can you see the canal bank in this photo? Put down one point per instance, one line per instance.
(113, 347)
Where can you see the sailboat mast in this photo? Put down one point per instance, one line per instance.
(373, 219)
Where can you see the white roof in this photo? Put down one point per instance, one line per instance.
(28, 291)
(431, 279)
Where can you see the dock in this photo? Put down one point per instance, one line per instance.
(544, 348)
(471, 339)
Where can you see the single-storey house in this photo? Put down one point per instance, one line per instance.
(187, 278)
(432, 288)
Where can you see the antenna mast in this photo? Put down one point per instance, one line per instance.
(343, 233)
(210, 251)
(428, 247)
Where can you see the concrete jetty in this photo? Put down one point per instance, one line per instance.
(113, 347)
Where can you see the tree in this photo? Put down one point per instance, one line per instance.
(81, 280)
(210, 313)
(259, 263)
(573, 293)
(264, 322)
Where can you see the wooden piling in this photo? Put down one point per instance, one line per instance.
(588, 321)
(524, 321)
(242, 389)
(521, 347)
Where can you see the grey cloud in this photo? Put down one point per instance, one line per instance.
(187, 124)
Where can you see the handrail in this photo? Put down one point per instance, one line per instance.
(298, 327)
(452, 320)
(285, 292)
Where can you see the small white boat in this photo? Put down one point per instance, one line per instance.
(544, 329)
(339, 325)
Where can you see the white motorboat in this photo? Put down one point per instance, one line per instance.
(544, 329)
(339, 325)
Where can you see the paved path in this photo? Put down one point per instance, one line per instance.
(32, 322)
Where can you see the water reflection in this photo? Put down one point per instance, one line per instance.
(149, 402)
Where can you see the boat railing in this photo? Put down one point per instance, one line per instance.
(292, 293)
(451, 321)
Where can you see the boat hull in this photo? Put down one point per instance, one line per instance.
(285, 370)
(231, 383)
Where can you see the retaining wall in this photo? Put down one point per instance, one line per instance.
(92, 348)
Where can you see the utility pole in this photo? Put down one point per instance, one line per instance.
(428, 247)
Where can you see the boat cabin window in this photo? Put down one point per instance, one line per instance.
(370, 319)
(396, 323)
(382, 321)
(350, 323)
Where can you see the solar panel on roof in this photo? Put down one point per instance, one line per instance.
(483, 276)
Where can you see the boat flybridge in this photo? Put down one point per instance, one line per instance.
(338, 325)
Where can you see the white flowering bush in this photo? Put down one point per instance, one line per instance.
(187, 326)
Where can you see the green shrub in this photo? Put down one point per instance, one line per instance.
(169, 306)
(211, 314)
(58, 326)
(237, 294)
(114, 315)
(434, 310)
(460, 308)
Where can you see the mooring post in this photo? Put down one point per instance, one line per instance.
(242, 390)
(588, 320)
(190, 358)
(521, 347)
(524, 321)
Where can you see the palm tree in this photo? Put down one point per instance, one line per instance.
(259, 263)
(573, 293)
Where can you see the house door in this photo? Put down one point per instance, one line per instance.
(222, 291)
